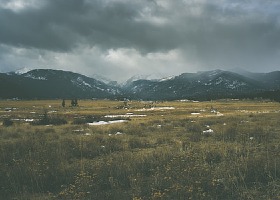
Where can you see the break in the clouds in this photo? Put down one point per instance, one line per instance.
(120, 38)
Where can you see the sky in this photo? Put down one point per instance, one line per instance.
(121, 38)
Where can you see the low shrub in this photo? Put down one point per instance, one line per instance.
(80, 121)
(194, 128)
(138, 143)
(7, 122)
(230, 133)
(195, 137)
(213, 157)
(50, 120)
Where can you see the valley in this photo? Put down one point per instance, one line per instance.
(104, 149)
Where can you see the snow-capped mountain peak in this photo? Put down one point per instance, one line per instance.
(166, 78)
(22, 70)
(104, 79)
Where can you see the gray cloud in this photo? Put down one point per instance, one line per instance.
(204, 34)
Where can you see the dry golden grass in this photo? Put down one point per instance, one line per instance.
(161, 153)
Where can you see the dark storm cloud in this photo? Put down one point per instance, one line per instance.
(47, 27)
(216, 33)
(62, 24)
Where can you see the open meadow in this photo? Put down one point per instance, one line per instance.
(102, 149)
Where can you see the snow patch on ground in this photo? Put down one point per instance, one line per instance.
(29, 120)
(119, 133)
(106, 123)
(156, 109)
(208, 132)
(219, 114)
(26, 120)
(124, 116)
(78, 130)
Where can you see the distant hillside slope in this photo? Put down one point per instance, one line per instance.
(43, 83)
(216, 84)
(270, 80)
(203, 85)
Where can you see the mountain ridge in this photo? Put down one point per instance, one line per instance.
(47, 83)
(205, 85)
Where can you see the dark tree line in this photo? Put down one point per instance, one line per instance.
(74, 103)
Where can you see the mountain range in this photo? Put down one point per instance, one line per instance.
(49, 84)
(206, 85)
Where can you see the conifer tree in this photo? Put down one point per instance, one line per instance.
(72, 103)
(63, 103)
(76, 102)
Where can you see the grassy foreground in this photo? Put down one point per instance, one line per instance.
(164, 150)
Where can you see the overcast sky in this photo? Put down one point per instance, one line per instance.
(121, 38)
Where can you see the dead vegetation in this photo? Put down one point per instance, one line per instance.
(160, 153)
